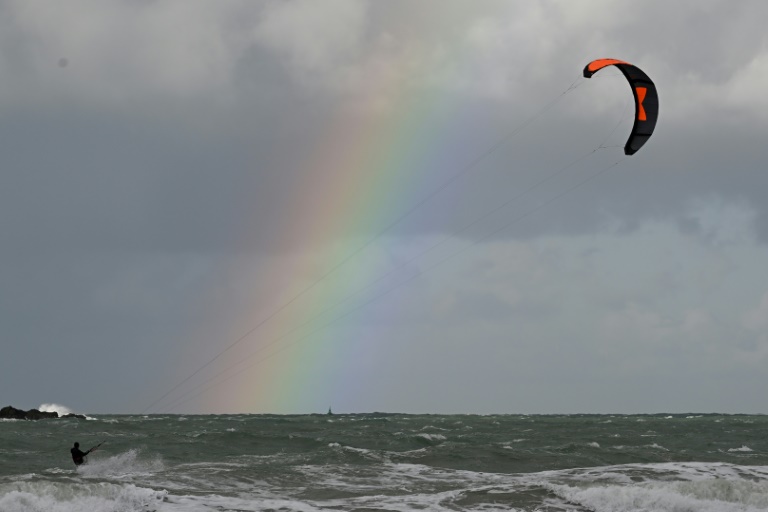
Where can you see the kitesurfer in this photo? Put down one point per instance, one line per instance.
(78, 457)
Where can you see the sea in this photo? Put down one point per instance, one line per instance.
(387, 462)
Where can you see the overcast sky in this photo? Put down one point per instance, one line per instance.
(410, 206)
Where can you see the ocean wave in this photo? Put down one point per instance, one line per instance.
(432, 437)
(663, 487)
(432, 427)
(46, 496)
(369, 454)
(667, 487)
(700, 496)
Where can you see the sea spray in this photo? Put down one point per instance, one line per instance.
(62, 410)
(123, 465)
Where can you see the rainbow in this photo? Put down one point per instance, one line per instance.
(372, 166)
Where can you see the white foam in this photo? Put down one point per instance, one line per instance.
(711, 495)
(370, 454)
(46, 496)
(432, 437)
(744, 448)
(432, 427)
(508, 445)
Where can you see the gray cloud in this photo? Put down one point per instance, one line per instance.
(153, 186)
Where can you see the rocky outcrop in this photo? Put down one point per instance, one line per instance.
(32, 414)
(73, 415)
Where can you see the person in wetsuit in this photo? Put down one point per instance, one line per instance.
(77, 455)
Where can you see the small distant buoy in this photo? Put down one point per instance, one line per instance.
(63, 62)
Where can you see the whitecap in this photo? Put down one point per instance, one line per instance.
(432, 437)
(705, 494)
(432, 427)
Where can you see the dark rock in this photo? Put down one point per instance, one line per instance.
(32, 414)
(73, 415)
(12, 413)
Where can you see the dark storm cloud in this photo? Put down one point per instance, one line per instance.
(194, 170)
(138, 159)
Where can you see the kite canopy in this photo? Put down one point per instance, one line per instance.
(646, 100)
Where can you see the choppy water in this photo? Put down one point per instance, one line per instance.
(369, 462)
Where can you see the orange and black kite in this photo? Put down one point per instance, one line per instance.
(646, 100)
